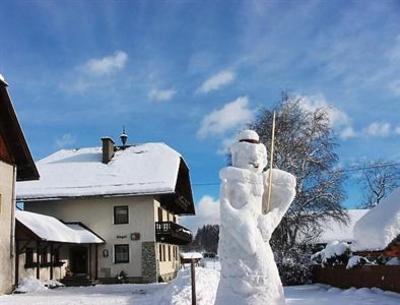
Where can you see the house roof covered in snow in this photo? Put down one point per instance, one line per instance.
(48, 228)
(334, 230)
(13, 146)
(191, 255)
(151, 168)
(380, 226)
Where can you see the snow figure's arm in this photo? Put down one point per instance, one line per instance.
(283, 192)
(237, 221)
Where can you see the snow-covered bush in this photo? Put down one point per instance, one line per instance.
(355, 261)
(394, 261)
(294, 265)
(31, 284)
(335, 253)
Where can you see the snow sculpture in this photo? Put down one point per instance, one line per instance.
(249, 275)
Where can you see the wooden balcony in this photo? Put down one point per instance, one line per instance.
(170, 232)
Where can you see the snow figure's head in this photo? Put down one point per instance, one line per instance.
(248, 152)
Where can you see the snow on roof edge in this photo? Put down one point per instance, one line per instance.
(53, 198)
(191, 255)
(380, 226)
(49, 228)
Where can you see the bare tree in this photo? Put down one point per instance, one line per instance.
(378, 180)
(304, 146)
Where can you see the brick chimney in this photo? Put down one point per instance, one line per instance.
(108, 149)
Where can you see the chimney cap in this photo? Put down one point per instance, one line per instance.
(107, 138)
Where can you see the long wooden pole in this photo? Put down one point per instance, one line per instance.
(51, 261)
(16, 262)
(271, 164)
(193, 273)
(37, 259)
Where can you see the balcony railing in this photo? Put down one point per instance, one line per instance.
(170, 232)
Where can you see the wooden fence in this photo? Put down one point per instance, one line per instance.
(383, 277)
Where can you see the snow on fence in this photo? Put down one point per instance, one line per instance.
(383, 277)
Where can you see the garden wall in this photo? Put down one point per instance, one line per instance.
(383, 277)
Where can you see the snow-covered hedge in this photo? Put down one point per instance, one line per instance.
(355, 261)
(335, 253)
(394, 261)
(339, 253)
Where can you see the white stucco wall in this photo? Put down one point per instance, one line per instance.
(6, 207)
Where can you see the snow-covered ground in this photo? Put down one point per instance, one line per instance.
(178, 293)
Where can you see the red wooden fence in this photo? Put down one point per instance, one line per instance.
(383, 277)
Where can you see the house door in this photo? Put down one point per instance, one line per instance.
(78, 260)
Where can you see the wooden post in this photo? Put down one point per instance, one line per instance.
(96, 262)
(51, 261)
(37, 259)
(16, 262)
(193, 273)
(90, 261)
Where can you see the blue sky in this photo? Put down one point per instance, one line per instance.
(191, 73)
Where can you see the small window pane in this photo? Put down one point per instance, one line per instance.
(164, 253)
(160, 218)
(43, 256)
(56, 253)
(29, 256)
(121, 253)
(121, 214)
(160, 252)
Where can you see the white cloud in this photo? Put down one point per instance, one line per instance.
(225, 146)
(86, 76)
(347, 133)
(161, 95)
(65, 140)
(106, 65)
(338, 119)
(336, 116)
(231, 115)
(378, 129)
(341, 122)
(207, 212)
(216, 81)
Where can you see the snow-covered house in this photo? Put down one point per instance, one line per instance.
(131, 196)
(378, 232)
(333, 230)
(16, 163)
(375, 243)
